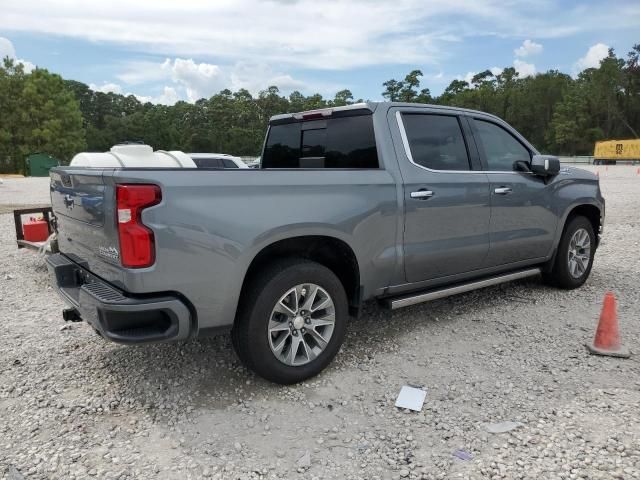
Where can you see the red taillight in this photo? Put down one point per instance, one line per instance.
(137, 247)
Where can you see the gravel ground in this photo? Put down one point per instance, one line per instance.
(74, 406)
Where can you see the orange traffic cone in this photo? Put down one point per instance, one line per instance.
(607, 339)
(638, 171)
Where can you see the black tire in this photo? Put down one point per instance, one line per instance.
(560, 276)
(250, 332)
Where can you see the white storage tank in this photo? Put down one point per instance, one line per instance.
(133, 155)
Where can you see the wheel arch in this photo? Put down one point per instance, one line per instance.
(589, 210)
(332, 252)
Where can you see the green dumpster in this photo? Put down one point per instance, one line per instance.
(38, 164)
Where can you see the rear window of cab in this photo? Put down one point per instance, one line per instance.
(343, 142)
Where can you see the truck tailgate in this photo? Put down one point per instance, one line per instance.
(84, 209)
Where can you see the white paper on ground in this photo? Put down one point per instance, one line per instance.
(411, 398)
(503, 427)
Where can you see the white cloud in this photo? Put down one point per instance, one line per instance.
(258, 76)
(8, 50)
(195, 80)
(28, 66)
(528, 48)
(308, 33)
(289, 35)
(106, 87)
(141, 71)
(467, 78)
(169, 96)
(302, 33)
(523, 68)
(192, 81)
(592, 58)
(198, 79)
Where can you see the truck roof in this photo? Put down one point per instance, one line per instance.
(370, 106)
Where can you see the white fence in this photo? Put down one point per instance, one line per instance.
(578, 159)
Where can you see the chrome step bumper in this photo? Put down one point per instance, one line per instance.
(118, 316)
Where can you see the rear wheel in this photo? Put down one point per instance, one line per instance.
(574, 257)
(292, 321)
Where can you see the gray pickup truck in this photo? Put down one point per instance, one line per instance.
(402, 203)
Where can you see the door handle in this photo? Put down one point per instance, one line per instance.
(422, 194)
(503, 191)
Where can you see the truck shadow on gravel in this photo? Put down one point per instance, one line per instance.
(207, 372)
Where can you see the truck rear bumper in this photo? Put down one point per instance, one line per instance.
(120, 318)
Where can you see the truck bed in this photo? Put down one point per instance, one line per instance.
(211, 223)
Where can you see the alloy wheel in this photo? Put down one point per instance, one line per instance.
(579, 253)
(301, 324)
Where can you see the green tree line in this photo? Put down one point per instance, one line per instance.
(558, 113)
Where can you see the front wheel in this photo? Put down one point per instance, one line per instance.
(291, 322)
(574, 257)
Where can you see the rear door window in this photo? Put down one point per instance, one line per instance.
(342, 142)
(436, 141)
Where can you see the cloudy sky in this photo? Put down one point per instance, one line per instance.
(169, 50)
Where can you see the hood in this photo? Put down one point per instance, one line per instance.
(576, 172)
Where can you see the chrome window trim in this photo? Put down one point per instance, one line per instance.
(407, 151)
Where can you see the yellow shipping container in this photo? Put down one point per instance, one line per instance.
(619, 150)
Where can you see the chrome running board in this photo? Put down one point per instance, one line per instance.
(405, 301)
